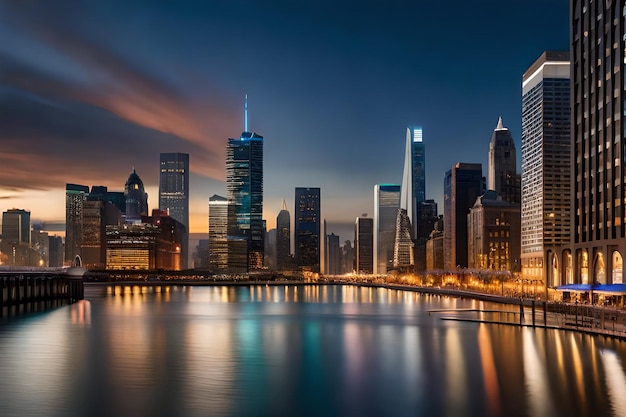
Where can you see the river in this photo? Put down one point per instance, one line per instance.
(296, 351)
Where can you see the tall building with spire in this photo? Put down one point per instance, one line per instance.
(136, 198)
(502, 174)
(244, 192)
(174, 193)
(412, 194)
(283, 238)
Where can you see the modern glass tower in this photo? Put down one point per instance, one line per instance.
(546, 165)
(244, 191)
(16, 227)
(75, 195)
(307, 225)
(218, 233)
(386, 205)
(462, 185)
(174, 192)
(364, 245)
(283, 238)
(598, 52)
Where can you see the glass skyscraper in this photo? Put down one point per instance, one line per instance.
(174, 192)
(218, 232)
(546, 166)
(386, 205)
(283, 238)
(244, 191)
(307, 228)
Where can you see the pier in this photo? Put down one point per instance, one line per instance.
(26, 290)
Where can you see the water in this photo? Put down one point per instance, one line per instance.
(296, 351)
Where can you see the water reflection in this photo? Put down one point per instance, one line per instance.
(296, 350)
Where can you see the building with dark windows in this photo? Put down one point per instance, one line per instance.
(136, 199)
(283, 239)
(16, 227)
(244, 192)
(307, 228)
(502, 176)
(174, 192)
(364, 245)
(218, 234)
(75, 195)
(97, 215)
(334, 255)
(598, 52)
(462, 185)
(546, 166)
(386, 205)
(56, 251)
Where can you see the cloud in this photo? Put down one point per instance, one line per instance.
(117, 113)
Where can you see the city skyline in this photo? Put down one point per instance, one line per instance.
(102, 98)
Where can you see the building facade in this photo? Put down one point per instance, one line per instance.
(502, 176)
(283, 239)
(174, 191)
(364, 245)
(386, 205)
(493, 234)
(244, 192)
(136, 199)
(307, 228)
(462, 185)
(75, 195)
(598, 50)
(16, 227)
(218, 233)
(546, 164)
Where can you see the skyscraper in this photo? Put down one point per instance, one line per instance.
(136, 199)
(334, 254)
(386, 205)
(364, 245)
(599, 143)
(546, 164)
(412, 193)
(75, 195)
(16, 227)
(283, 238)
(244, 191)
(218, 233)
(307, 228)
(502, 176)
(174, 192)
(462, 184)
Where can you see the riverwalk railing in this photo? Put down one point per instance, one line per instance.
(35, 290)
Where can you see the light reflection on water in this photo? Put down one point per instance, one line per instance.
(296, 350)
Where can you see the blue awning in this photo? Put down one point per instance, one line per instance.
(601, 288)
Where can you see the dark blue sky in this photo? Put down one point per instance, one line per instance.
(90, 89)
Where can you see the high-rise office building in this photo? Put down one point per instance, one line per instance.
(364, 245)
(56, 251)
(218, 233)
(16, 227)
(386, 205)
(334, 254)
(546, 164)
(502, 176)
(598, 105)
(412, 193)
(174, 192)
(307, 228)
(462, 185)
(75, 195)
(244, 191)
(283, 238)
(136, 199)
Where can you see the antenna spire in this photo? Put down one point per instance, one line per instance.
(245, 113)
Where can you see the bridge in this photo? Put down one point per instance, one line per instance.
(25, 290)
